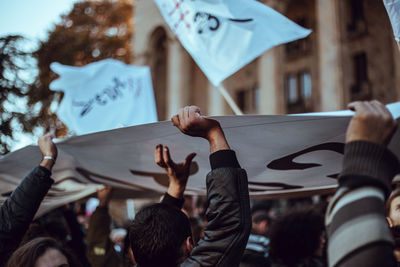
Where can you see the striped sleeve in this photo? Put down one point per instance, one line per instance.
(357, 230)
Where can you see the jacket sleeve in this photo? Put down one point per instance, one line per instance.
(228, 214)
(172, 202)
(100, 250)
(18, 210)
(358, 234)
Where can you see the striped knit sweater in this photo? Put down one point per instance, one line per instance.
(358, 234)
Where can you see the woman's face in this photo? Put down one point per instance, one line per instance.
(52, 258)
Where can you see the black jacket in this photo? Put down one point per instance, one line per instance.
(18, 210)
(228, 214)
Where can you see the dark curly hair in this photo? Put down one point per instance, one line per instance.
(296, 235)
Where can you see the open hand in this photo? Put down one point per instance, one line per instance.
(178, 173)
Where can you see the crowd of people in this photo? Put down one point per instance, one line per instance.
(358, 226)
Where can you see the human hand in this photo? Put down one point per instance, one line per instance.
(372, 122)
(104, 196)
(48, 149)
(178, 173)
(189, 121)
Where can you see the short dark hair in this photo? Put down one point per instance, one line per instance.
(28, 254)
(157, 234)
(296, 235)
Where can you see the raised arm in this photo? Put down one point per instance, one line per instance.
(18, 210)
(228, 214)
(358, 234)
(100, 250)
(178, 174)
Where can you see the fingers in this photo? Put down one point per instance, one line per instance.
(181, 115)
(50, 135)
(158, 156)
(163, 158)
(194, 112)
(357, 106)
(167, 158)
(189, 159)
(371, 107)
(175, 120)
(186, 111)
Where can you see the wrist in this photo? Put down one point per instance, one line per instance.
(47, 163)
(176, 190)
(217, 140)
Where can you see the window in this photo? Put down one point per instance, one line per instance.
(298, 92)
(248, 100)
(292, 92)
(305, 85)
(357, 23)
(360, 90)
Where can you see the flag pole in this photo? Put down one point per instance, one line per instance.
(229, 99)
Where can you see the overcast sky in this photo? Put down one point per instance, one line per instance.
(31, 18)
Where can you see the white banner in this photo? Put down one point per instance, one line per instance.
(284, 156)
(393, 10)
(104, 95)
(222, 36)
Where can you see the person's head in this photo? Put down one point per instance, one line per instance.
(393, 208)
(41, 252)
(297, 235)
(260, 222)
(160, 236)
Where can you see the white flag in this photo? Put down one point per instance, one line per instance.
(222, 36)
(104, 95)
(393, 9)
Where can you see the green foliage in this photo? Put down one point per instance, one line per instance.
(14, 60)
(92, 31)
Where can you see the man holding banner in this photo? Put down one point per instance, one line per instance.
(160, 235)
(358, 234)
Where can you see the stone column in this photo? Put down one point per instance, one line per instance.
(267, 73)
(216, 102)
(328, 34)
(270, 74)
(178, 74)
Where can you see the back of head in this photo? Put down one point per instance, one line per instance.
(296, 235)
(157, 234)
(28, 254)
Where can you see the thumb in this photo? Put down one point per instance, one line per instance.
(189, 159)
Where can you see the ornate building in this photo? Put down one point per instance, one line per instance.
(351, 55)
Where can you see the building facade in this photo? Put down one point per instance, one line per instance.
(350, 55)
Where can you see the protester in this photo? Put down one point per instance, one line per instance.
(100, 248)
(18, 210)
(160, 234)
(393, 218)
(358, 234)
(257, 248)
(297, 239)
(42, 252)
(61, 225)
